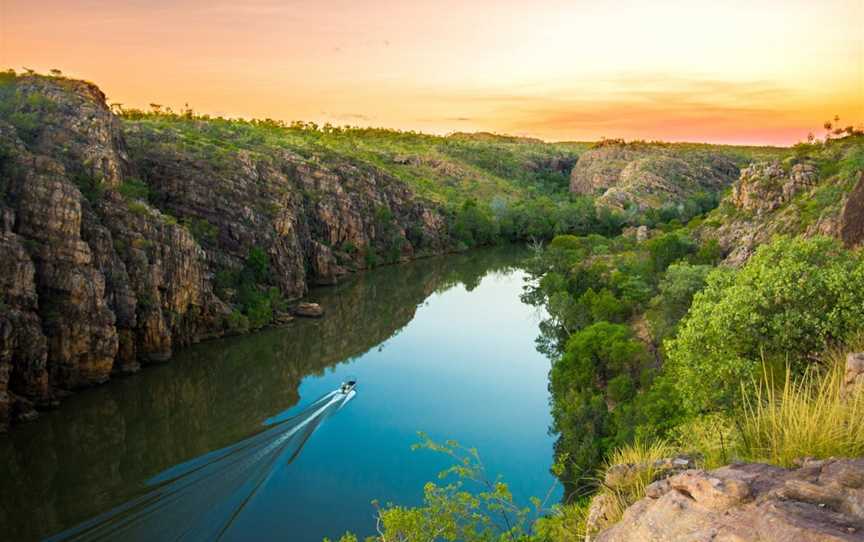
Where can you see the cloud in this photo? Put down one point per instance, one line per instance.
(648, 106)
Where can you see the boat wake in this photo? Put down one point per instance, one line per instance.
(203, 497)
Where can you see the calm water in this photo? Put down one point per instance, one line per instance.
(441, 345)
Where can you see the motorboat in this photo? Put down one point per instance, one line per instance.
(347, 386)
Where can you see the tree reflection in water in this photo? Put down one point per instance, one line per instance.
(201, 498)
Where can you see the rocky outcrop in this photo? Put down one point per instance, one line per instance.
(820, 501)
(852, 217)
(770, 199)
(115, 237)
(309, 310)
(645, 175)
(763, 187)
(853, 376)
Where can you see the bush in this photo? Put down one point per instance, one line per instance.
(237, 322)
(677, 288)
(134, 189)
(667, 249)
(596, 354)
(793, 298)
(203, 231)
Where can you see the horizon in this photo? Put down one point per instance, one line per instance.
(672, 71)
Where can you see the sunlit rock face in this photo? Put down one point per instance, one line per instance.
(821, 500)
(644, 175)
(766, 186)
(852, 218)
(96, 282)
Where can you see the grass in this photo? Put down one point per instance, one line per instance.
(446, 169)
(642, 456)
(807, 417)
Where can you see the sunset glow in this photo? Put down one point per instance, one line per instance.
(732, 71)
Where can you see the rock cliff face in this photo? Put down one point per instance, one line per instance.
(647, 175)
(771, 200)
(820, 501)
(96, 279)
(764, 187)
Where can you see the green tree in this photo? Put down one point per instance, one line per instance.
(791, 300)
(596, 354)
(668, 248)
(677, 288)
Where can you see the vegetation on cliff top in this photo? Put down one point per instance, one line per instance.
(449, 169)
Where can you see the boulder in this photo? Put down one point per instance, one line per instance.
(852, 216)
(820, 501)
(765, 186)
(854, 375)
(308, 310)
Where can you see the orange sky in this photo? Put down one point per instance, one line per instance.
(721, 71)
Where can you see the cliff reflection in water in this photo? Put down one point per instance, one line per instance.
(202, 498)
(97, 452)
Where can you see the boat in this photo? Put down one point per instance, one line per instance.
(347, 386)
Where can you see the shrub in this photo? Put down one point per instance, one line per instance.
(792, 299)
(203, 231)
(596, 354)
(138, 208)
(677, 288)
(134, 189)
(90, 186)
(237, 322)
(668, 248)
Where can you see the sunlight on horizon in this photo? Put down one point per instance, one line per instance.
(736, 72)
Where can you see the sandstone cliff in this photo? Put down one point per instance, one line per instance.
(820, 501)
(820, 193)
(114, 237)
(651, 175)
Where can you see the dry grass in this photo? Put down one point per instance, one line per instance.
(642, 456)
(714, 437)
(804, 417)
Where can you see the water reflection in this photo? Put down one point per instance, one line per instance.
(202, 498)
(100, 448)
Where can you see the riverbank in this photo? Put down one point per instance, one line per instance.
(385, 327)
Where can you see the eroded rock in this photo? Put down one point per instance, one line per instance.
(97, 281)
(308, 310)
(820, 501)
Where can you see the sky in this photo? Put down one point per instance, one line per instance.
(725, 71)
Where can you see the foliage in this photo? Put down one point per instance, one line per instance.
(791, 300)
(668, 248)
(600, 355)
(468, 507)
(134, 189)
(257, 301)
(202, 230)
(91, 187)
(676, 290)
(714, 436)
(22, 110)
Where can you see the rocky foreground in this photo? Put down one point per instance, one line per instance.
(819, 501)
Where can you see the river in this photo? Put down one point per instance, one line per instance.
(441, 345)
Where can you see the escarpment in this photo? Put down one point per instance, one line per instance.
(120, 244)
(816, 194)
(644, 175)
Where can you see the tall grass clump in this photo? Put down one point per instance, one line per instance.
(642, 458)
(808, 416)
